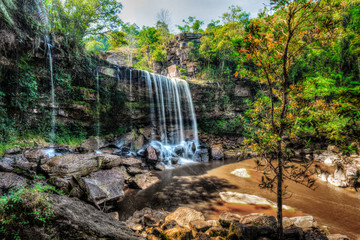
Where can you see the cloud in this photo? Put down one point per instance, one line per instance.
(143, 12)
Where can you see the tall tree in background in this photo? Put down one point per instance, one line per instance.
(274, 43)
(79, 19)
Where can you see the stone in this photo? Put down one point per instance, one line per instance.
(159, 167)
(134, 171)
(183, 216)
(179, 150)
(217, 231)
(304, 222)
(157, 232)
(293, 232)
(337, 237)
(114, 215)
(333, 148)
(174, 160)
(287, 222)
(105, 185)
(9, 180)
(70, 165)
(202, 236)
(150, 221)
(6, 164)
(217, 152)
(35, 155)
(92, 144)
(259, 219)
(213, 223)
(201, 155)
(314, 234)
(77, 220)
(12, 151)
(200, 225)
(226, 218)
(151, 154)
(131, 162)
(143, 181)
(168, 225)
(178, 233)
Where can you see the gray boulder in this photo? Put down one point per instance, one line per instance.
(106, 185)
(79, 221)
(66, 166)
(9, 180)
(6, 164)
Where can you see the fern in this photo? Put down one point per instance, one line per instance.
(5, 7)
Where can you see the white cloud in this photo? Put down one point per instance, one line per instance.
(143, 12)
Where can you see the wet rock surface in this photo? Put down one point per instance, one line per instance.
(186, 223)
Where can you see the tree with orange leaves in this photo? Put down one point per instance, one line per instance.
(273, 45)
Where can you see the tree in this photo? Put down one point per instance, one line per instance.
(274, 43)
(235, 14)
(80, 19)
(163, 18)
(191, 25)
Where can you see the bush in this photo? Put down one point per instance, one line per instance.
(24, 206)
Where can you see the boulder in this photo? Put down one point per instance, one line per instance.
(35, 155)
(6, 164)
(92, 144)
(217, 152)
(304, 222)
(106, 185)
(131, 162)
(259, 219)
(9, 180)
(200, 225)
(143, 181)
(151, 154)
(134, 171)
(201, 155)
(226, 218)
(12, 151)
(183, 216)
(333, 148)
(159, 167)
(293, 232)
(66, 166)
(77, 220)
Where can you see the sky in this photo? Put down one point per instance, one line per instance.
(143, 12)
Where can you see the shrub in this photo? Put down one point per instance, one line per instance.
(24, 206)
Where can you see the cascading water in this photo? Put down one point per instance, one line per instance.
(172, 118)
(53, 106)
(97, 106)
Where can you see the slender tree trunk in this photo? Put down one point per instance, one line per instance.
(279, 194)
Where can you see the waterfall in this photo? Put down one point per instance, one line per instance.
(53, 106)
(172, 117)
(97, 106)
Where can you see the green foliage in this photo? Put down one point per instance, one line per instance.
(79, 19)
(191, 25)
(25, 206)
(5, 11)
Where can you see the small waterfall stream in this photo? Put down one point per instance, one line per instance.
(97, 106)
(53, 105)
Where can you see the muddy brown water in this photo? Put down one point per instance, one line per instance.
(198, 186)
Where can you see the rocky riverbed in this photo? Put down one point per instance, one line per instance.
(102, 188)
